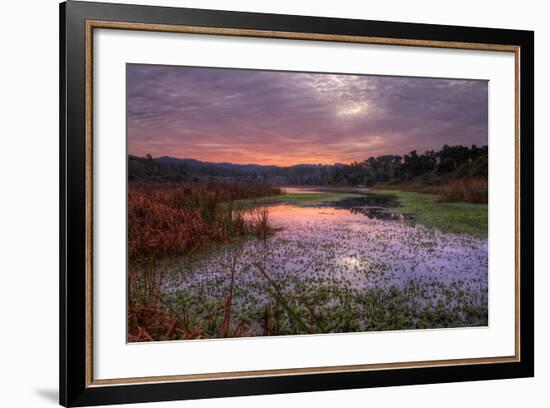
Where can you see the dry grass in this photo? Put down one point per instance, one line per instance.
(468, 190)
(259, 221)
(167, 220)
(150, 319)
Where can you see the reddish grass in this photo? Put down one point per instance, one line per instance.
(466, 190)
(149, 319)
(259, 221)
(167, 220)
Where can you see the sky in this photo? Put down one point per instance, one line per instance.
(287, 118)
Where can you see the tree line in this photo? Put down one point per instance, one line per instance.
(457, 161)
(452, 161)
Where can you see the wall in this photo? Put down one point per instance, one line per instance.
(29, 219)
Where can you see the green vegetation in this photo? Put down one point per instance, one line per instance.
(304, 307)
(451, 217)
(306, 199)
(300, 306)
(451, 162)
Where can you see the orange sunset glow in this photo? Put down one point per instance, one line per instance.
(288, 118)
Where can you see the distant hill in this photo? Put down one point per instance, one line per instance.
(172, 168)
(253, 168)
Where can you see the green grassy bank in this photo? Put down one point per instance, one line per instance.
(452, 217)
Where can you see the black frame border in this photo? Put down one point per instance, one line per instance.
(72, 386)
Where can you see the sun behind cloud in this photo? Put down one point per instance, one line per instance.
(285, 118)
(353, 109)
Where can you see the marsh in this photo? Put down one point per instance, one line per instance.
(337, 261)
(265, 202)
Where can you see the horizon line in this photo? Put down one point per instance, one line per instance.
(301, 163)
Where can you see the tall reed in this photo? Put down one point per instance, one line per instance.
(173, 219)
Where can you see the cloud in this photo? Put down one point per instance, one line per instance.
(246, 116)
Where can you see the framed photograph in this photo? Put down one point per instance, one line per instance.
(256, 204)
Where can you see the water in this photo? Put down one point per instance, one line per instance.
(347, 259)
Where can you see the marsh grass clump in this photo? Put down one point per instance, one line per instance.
(174, 219)
(466, 190)
(259, 221)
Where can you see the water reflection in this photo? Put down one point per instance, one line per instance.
(381, 214)
(324, 189)
(368, 200)
(372, 206)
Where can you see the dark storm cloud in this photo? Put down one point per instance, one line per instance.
(284, 118)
